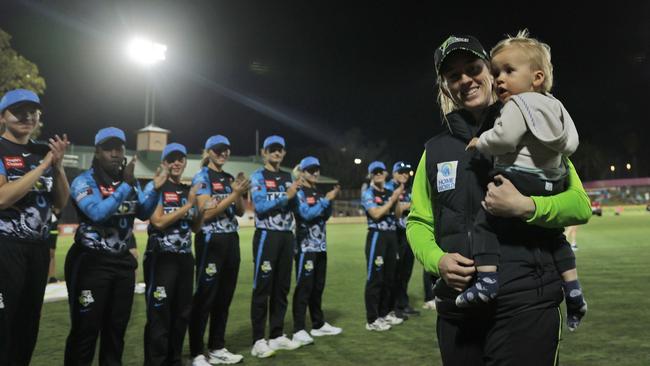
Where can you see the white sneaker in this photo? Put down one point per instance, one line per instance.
(392, 319)
(303, 338)
(325, 330)
(261, 349)
(284, 343)
(200, 361)
(429, 305)
(223, 356)
(378, 325)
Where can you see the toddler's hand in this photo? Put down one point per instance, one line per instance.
(472, 144)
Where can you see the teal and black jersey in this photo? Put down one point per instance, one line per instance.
(29, 218)
(311, 216)
(177, 237)
(107, 209)
(217, 185)
(403, 198)
(372, 198)
(273, 210)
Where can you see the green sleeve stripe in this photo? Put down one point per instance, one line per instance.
(419, 226)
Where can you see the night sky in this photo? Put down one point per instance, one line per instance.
(313, 70)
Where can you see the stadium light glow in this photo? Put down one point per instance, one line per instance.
(357, 161)
(628, 166)
(145, 52)
(612, 168)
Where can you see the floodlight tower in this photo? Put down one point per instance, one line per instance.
(147, 53)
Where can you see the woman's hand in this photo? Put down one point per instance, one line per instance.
(58, 146)
(161, 175)
(128, 174)
(331, 195)
(503, 199)
(241, 186)
(456, 270)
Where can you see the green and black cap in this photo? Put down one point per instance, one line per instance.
(455, 43)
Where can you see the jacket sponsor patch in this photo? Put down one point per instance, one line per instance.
(14, 162)
(446, 177)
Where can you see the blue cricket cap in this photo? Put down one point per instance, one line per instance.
(274, 139)
(400, 165)
(18, 96)
(216, 140)
(109, 133)
(173, 147)
(309, 162)
(376, 165)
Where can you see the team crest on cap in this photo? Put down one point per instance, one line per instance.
(160, 293)
(211, 269)
(309, 265)
(86, 298)
(266, 267)
(451, 40)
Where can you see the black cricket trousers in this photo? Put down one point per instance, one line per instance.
(273, 254)
(23, 276)
(217, 268)
(168, 279)
(381, 259)
(100, 294)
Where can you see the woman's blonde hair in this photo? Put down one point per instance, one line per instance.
(205, 159)
(537, 52)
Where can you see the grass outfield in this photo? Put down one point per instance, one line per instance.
(613, 261)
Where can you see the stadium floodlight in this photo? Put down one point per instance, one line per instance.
(628, 166)
(357, 161)
(145, 52)
(612, 168)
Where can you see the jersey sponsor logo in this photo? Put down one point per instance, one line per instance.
(106, 191)
(86, 298)
(309, 265)
(271, 196)
(311, 200)
(446, 176)
(378, 200)
(160, 293)
(270, 184)
(83, 194)
(217, 186)
(169, 197)
(379, 261)
(14, 162)
(25, 154)
(266, 267)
